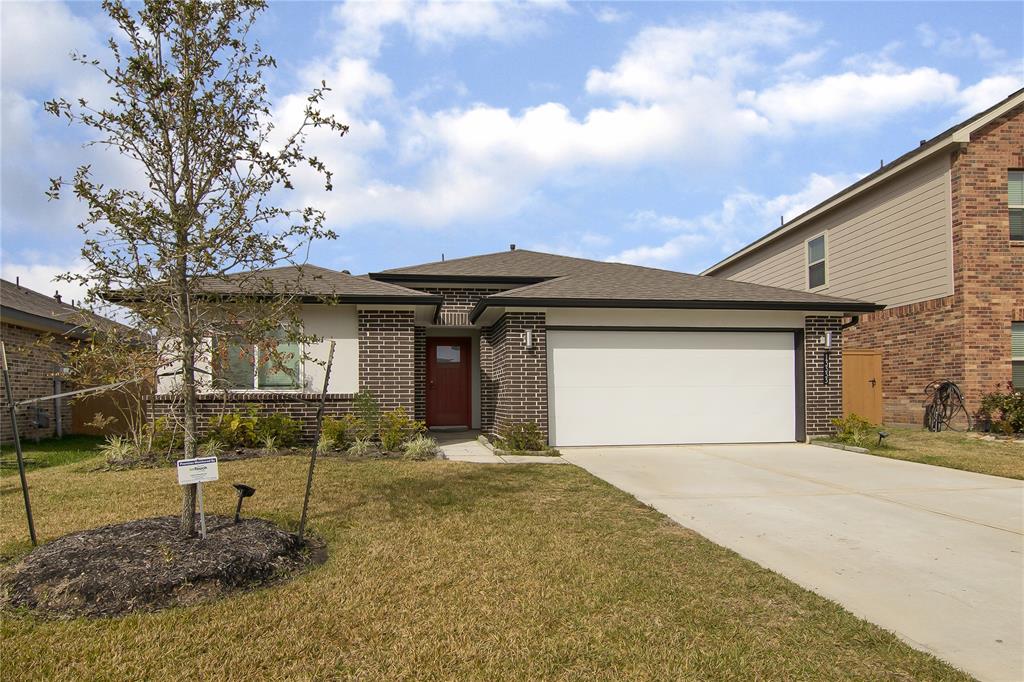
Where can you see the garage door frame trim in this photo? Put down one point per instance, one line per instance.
(800, 430)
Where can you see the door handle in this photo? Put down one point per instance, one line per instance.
(872, 381)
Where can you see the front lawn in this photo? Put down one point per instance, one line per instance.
(442, 570)
(955, 450)
(49, 452)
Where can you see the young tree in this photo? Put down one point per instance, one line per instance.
(191, 108)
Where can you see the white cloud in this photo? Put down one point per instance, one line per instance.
(40, 277)
(694, 243)
(610, 15)
(986, 92)
(952, 43)
(851, 98)
(437, 22)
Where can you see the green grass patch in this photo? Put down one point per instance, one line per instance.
(49, 452)
(955, 450)
(442, 570)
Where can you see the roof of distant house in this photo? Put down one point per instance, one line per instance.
(21, 305)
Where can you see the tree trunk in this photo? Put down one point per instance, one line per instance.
(188, 502)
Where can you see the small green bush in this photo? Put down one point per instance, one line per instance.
(120, 452)
(367, 412)
(1005, 411)
(421, 447)
(163, 436)
(525, 436)
(855, 430)
(251, 430)
(339, 432)
(397, 427)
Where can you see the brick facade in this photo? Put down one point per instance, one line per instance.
(964, 337)
(301, 406)
(31, 371)
(387, 340)
(458, 302)
(513, 378)
(420, 373)
(823, 401)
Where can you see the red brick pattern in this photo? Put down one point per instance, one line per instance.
(458, 302)
(964, 337)
(514, 379)
(301, 406)
(31, 376)
(386, 357)
(823, 401)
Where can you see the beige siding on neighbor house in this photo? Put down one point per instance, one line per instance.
(892, 245)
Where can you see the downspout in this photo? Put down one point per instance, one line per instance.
(58, 422)
(854, 319)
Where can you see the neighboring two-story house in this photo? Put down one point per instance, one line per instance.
(936, 235)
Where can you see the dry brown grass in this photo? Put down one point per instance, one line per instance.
(955, 450)
(441, 570)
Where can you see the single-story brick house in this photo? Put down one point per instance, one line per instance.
(595, 353)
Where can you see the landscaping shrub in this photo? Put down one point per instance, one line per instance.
(1004, 411)
(367, 412)
(163, 436)
(522, 436)
(395, 428)
(855, 430)
(337, 433)
(251, 430)
(119, 452)
(421, 447)
(361, 447)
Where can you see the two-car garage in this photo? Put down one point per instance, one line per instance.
(667, 386)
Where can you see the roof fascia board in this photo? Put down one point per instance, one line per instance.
(41, 323)
(510, 302)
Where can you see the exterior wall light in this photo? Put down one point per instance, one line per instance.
(529, 339)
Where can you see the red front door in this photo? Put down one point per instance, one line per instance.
(448, 381)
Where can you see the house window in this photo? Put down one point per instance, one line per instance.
(1016, 192)
(241, 365)
(816, 262)
(1017, 354)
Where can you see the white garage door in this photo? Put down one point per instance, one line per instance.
(663, 387)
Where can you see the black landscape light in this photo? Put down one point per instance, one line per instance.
(882, 435)
(244, 491)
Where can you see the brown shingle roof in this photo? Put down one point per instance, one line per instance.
(562, 280)
(18, 302)
(313, 281)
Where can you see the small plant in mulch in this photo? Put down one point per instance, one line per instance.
(523, 438)
(146, 565)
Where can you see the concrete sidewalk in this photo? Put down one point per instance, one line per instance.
(935, 555)
(463, 446)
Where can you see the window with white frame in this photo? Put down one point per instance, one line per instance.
(1017, 354)
(1016, 196)
(816, 262)
(271, 365)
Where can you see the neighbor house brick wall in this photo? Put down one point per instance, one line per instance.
(823, 401)
(387, 357)
(458, 302)
(300, 406)
(988, 268)
(514, 379)
(964, 337)
(920, 343)
(31, 371)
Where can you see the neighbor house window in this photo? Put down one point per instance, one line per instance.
(242, 365)
(1016, 205)
(1017, 354)
(816, 262)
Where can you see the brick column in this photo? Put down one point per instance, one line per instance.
(420, 372)
(823, 402)
(520, 374)
(386, 357)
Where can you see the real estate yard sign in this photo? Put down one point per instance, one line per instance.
(196, 472)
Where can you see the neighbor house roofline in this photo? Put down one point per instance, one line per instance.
(524, 302)
(959, 134)
(395, 278)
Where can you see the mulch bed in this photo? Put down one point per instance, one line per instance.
(145, 565)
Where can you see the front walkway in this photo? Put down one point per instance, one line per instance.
(932, 554)
(463, 446)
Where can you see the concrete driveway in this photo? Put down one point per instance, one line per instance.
(932, 554)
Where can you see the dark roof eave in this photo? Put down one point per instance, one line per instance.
(425, 299)
(393, 278)
(853, 307)
(12, 315)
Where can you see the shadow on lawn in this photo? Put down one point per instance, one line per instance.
(459, 489)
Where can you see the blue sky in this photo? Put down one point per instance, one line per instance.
(666, 134)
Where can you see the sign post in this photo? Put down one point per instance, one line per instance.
(198, 471)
